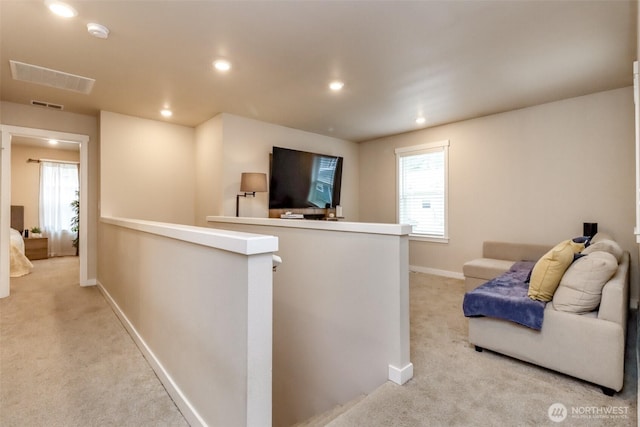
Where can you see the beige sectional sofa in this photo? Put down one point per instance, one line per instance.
(589, 346)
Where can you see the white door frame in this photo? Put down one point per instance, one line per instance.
(5, 196)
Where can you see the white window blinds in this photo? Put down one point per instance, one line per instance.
(325, 167)
(422, 188)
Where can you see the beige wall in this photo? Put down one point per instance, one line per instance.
(61, 121)
(531, 175)
(147, 169)
(209, 167)
(247, 144)
(25, 178)
(163, 172)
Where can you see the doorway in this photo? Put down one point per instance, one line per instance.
(9, 132)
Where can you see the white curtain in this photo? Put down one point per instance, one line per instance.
(58, 186)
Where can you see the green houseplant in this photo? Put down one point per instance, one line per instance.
(75, 221)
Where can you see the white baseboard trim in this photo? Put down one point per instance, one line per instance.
(437, 272)
(187, 410)
(401, 375)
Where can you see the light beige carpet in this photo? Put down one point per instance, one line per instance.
(66, 360)
(454, 385)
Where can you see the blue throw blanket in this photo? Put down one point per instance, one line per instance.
(505, 297)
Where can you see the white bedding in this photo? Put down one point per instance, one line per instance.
(20, 264)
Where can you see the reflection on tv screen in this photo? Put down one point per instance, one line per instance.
(300, 179)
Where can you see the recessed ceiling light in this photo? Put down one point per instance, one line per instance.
(61, 9)
(53, 141)
(222, 65)
(166, 113)
(336, 85)
(421, 120)
(97, 30)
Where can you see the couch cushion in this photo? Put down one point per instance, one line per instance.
(548, 271)
(486, 268)
(605, 245)
(580, 288)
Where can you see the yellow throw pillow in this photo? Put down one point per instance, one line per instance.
(549, 269)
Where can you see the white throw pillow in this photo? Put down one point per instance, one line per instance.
(580, 288)
(601, 235)
(605, 245)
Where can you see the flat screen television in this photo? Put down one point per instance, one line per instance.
(300, 179)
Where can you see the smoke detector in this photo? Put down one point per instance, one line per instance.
(97, 30)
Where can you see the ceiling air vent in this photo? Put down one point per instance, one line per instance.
(48, 77)
(47, 105)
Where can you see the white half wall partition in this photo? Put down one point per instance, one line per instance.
(198, 303)
(341, 311)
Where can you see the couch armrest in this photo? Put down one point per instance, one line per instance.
(478, 271)
(513, 251)
(614, 304)
(486, 268)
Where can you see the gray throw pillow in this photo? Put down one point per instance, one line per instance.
(580, 289)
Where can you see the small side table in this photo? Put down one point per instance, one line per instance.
(36, 247)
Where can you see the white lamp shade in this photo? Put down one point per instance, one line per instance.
(253, 182)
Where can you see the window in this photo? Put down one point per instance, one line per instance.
(58, 186)
(422, 189)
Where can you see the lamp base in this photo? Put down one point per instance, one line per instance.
(253, 194)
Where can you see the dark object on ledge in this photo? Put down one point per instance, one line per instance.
(589, 229)
(314, 216)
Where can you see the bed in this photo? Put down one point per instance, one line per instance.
(20, 264)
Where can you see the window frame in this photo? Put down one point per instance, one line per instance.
(417, 150)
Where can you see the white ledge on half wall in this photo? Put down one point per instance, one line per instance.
(352, 227)
(232, 241)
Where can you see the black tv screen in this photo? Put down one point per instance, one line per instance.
(300, 179)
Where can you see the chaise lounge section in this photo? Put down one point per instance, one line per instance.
(589, 346)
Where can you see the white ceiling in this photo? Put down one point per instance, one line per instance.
(44, 143)
(447, 60)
